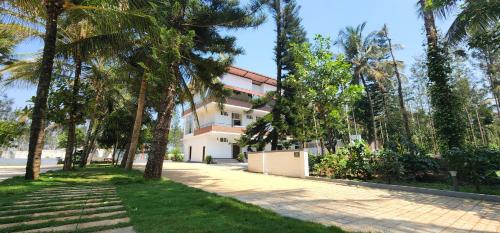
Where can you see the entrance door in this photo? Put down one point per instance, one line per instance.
(203, 158)
(190, 152)
(236, 151)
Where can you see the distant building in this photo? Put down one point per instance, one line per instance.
(219, 129)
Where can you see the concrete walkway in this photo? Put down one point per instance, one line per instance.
(352, 208)
(11, 171)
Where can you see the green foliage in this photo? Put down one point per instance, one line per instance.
(323, 81)
(332, 165)
(177, 155)
(352, 161)
(209, 159)
(477, 165)
(116, 128)
(240, 157)
(10, 131)
(62, 138)
(388, 165)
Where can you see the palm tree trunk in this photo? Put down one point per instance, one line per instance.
(137, 124)
(402, 107)
(53, 9)
(71, 141)
(156, 156)
(113, 156)
(86, 146)
(372, 113)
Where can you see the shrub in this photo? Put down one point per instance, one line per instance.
(177, 155)
(359, 161)
(419, 165)
(332, 165)
(240, 157)
(388, 165)
(477, 165)
(313, 160)
(209, 159)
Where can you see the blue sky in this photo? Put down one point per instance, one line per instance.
(325, 17)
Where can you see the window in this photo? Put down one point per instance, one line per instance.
(223, 139)
(222, 113)
(236, 119)
(249, 117)
(257, 118)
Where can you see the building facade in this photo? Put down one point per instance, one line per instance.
(219, 129)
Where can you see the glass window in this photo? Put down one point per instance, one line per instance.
(236, 119)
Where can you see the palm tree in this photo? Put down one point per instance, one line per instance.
(364, 55)
(474, 16)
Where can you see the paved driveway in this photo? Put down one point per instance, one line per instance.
(352, 208)
(11, 171)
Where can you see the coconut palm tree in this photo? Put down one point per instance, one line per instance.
(364, 54)
(474, 16)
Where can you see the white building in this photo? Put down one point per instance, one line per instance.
(218, 129)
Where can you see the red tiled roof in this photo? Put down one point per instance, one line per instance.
(256, 78)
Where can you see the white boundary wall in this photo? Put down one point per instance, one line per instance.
(282, 163)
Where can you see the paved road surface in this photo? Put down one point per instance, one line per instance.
(11, 171)
(352, 208)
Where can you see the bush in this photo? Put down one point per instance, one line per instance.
(177, 155)
(209, 159)
(313, 160)
(360, 160)
(477, 165)
(388, 165)
(419, 165)
(332, 165)
(240, 158)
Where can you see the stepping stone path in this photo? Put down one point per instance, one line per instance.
(67, 209)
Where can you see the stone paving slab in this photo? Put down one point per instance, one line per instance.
(119, 230)
(93, 207)
(100, 215)
(352, 208)
(71, 202)
(77, 226)
(53, 208)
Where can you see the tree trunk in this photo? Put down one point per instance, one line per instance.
(402, 107)
(113, 156)
(372, 113)
(86, 146)
(71, 140)
(154, 165)
(123, 162)
(53, 9)
(279, 49)
(481, 130)
(137, 124)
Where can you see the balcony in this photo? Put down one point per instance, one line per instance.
(218, 127)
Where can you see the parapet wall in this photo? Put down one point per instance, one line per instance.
(291, 163)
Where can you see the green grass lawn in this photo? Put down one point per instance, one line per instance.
(166, 206)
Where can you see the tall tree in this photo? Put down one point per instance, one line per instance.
(364, 54)
(445, 107)
(404, 112)
(186, 48)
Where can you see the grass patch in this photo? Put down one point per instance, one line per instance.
(166, 206)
